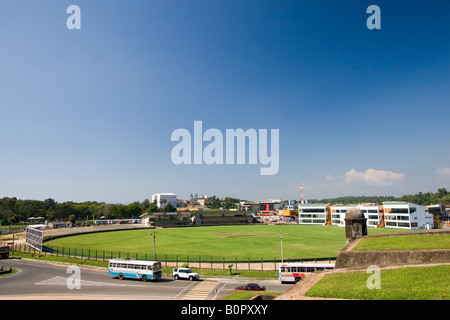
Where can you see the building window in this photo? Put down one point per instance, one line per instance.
(399, 210)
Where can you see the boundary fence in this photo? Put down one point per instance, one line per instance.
(172, 260)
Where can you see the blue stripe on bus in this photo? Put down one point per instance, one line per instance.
(132, 275)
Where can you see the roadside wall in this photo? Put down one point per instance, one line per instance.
(363, 259)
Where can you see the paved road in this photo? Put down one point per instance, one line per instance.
(51, 281)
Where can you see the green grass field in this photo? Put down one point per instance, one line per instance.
(411, 242)
(229, 242)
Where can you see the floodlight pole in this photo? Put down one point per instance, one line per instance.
(154, 247)
(281, 240)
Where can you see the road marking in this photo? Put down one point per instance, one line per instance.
(62, 281)
(218, 291)
(201, 291)
(183, 290)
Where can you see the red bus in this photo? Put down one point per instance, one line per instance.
(294, 272)
(4, 252)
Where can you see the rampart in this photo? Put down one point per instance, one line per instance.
(348, 258)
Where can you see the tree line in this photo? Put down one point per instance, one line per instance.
(442, 196)
(225, 203)
(13, 210)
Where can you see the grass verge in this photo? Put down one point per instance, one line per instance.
(410, 283)
(8, 273)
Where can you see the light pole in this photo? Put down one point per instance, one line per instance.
(281, 240)
(154, 247)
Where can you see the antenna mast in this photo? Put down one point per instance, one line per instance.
(302, 200)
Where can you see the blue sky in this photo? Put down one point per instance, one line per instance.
(88, 114)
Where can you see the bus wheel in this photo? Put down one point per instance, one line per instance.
(144, 278)
(297, 279)
(121, 277)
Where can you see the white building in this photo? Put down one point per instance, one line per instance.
(312, 213)
(373, 215)
(163, 199)
(406, 215)
(338, 213)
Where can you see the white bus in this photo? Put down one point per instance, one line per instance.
(135, 269)
(294, 272)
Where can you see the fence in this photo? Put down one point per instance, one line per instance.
(7, 229)
(172, 260)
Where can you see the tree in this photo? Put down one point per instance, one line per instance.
(49, 203)
(145, 205)
(442, 192)
(72, 219)
(153, 207)
(169, 208)
(132, 210)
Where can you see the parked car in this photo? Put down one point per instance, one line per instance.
(251, 287)
(184, 273)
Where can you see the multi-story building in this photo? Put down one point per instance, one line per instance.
(163, 199)
(247, 206)
(324, 214)
(437, 210)
(270, 207)
(373, 214)
(313, 213)
(406, 215)
(338, 213)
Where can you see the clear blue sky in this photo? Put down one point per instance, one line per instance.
(88, 114)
